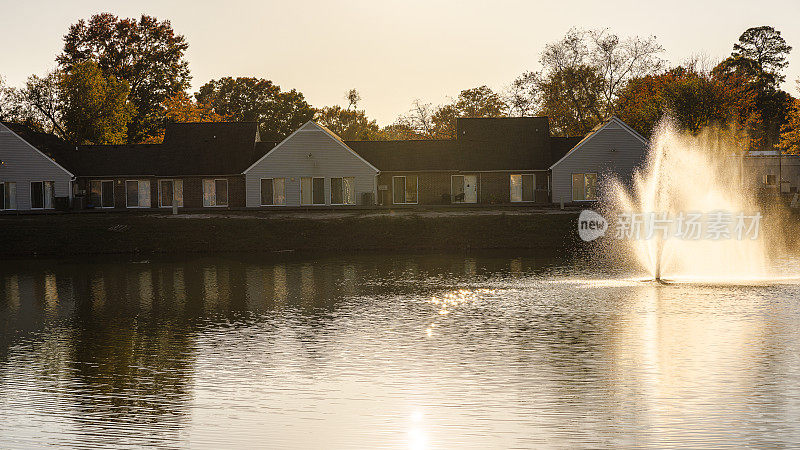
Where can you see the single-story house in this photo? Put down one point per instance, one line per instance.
(511, 161)
(197, 165)
(612, 148)
(763, 169)
(491, 161)
(29, 179)
(311, 167)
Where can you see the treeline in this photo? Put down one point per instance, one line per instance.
(118, 80)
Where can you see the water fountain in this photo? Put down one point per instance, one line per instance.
(699, 175)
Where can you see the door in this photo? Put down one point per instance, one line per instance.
(167, 192)
(457, 188)
(470, 189)
(399, 189)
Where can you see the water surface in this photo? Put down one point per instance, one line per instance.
(385, 350)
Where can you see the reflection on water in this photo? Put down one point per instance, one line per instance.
(422, 351)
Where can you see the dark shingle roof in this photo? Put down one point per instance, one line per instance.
(521, 143)
(113, 160)
(211, 148)
(225, 148)
(561, 145)
(220, 148)
(416, 155)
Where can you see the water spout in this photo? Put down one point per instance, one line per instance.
(659, 254)
(686, 175)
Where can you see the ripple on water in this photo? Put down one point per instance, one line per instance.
(369, 351)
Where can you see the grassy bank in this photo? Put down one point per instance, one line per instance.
(119, 233)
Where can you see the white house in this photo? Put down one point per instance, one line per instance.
(29, 179)
(763, 169)
(612, 148)
(311, 167)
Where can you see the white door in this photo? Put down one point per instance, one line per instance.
(470, 189)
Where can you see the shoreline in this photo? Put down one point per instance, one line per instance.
(55, 235)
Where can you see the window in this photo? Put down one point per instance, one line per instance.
(405, 189)
(312, 191)
(101, 193)
(342, 191)
(522, 187)
(8, 195)
(137, 193)
(215, 192)
(170, 193)
(42, 194)
(584, 187)
(273, 191)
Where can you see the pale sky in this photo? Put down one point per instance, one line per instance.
(392, 51)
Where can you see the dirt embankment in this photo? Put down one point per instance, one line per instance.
(110, 233)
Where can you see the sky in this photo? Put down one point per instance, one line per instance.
(393, 52)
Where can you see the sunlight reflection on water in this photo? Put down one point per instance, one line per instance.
(423, 351)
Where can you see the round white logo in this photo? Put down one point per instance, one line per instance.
(591, 225)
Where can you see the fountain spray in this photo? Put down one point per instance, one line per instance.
(691, 173)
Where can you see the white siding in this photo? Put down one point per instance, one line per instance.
(309, 152)
(613, 150)
(23, 164)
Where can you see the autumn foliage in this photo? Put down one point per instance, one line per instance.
(181, 108)
(693, 99)
(790, 132)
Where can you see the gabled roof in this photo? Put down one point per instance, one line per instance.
(597, 128)
(411, 155)
(113, 160)
(44, 143)
(209, 148)
(311, 126)
(481, 144)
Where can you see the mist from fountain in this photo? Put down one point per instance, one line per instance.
(696, 173)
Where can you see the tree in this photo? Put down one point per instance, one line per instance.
(43, 95)
(96, 106)
(181, 108)
(620, 60)
(756, 64)
(572, 99)
(444, 121)
(397, 131)
(440, 122)
(7, 100)
(790, 131)
(353, 97)
(523, 96)
(584, 73)
(764, 50)
(692, 98)
(37, 104)
(349, 124)
(419, 120)
(147, 54)
(279, 113)
(480, 102)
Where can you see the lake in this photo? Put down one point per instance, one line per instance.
(480, 350)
